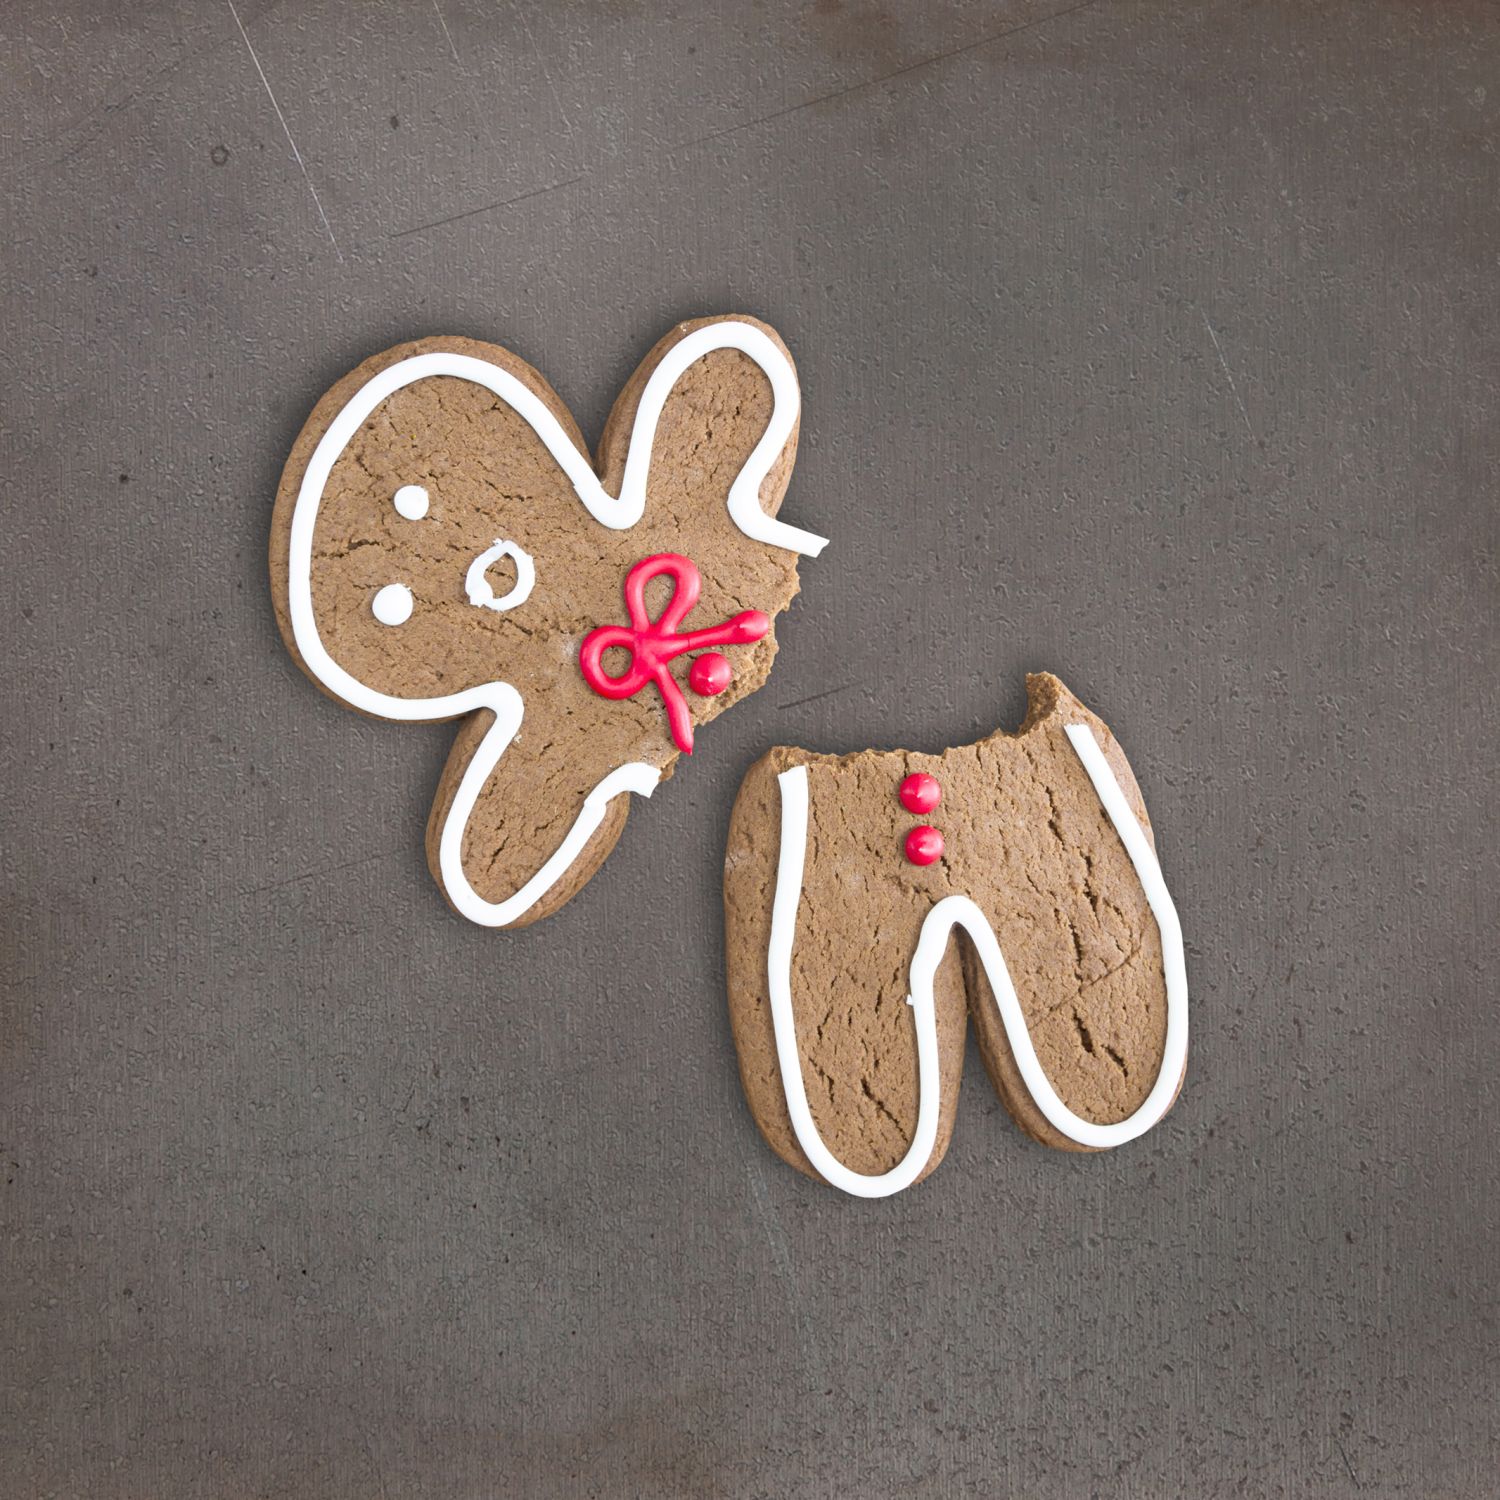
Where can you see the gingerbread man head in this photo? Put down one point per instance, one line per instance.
(445, 548)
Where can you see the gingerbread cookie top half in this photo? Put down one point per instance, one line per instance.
(443, 547)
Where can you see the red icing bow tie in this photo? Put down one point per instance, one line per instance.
(653, 644)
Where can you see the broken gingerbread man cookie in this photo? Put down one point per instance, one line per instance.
(846, 880)
(443, 547)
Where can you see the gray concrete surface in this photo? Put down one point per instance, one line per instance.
(1154, 344)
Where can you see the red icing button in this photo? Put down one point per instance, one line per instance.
(710, 674)
(924, 844)
(920, 793)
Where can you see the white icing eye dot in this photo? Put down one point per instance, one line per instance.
(392, 605)
(411, 502)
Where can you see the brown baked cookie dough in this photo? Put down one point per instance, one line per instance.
(1011, 843)
(443, 545)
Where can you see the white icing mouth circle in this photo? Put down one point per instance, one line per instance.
(477, 586)
(392, 605)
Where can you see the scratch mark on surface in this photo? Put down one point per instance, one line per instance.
(520, 10)
(306, 176)
(137, 91)
(277, 885)
(447, 35)
(463, 73)
(1347, 1464)
(869, 83)
(813, 698)
(781, 1253)
(375, 1464)
(489, 208)
(853, 88)
(1229, 374)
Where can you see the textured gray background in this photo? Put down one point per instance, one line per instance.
(1154, 344)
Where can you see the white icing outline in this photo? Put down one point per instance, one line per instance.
(477, 586)
(932, 943)
(618, 513)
